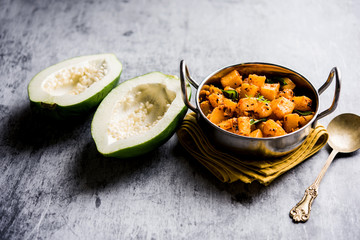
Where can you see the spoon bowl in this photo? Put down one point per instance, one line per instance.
(344, 132)
(344, 136)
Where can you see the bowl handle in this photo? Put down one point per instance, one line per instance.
(334, 72)
(185, 76)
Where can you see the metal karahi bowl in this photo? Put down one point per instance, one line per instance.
(260, 147)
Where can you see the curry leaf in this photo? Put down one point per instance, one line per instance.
(276, 80)
(232, 94)
(304, 113)
(261, 98)
(253, 121)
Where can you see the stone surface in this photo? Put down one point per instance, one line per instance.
(54, 184)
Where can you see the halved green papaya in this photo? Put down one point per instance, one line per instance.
(138, 116)
(74, 86)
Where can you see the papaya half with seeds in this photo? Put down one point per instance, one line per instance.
(75, 86)
(138, 115)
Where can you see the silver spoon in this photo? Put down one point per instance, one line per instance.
(344, 137)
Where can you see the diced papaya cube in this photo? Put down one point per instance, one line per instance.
(302, 103)
(226, 124)
(303, 120)
(232, 79)
(260, 126)
(205, 87)
(216, 99)
(205, 107)
(229, 107)
(247, 104)
(272, 129)
(244, 126)
(230, 125)
(256, 134)
(217, 115)
(291, 122)
(289, 84)
(248, 90)
(287, 93)
(270, 91)
(257, 80)
(281, 107)
(214, 89)
(203, 95)
(263, 109)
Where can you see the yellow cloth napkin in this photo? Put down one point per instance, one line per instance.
(229, 168)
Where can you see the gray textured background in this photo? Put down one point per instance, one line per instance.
(54, 184)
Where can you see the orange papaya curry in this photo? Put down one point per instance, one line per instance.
(255, 106)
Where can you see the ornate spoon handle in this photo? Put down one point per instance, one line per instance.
(301, 211)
